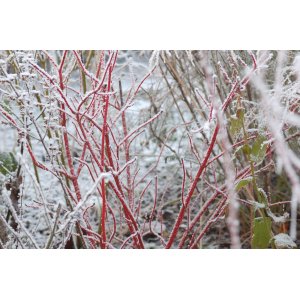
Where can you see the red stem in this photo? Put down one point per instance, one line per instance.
(192, 189)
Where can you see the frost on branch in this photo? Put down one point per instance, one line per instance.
(149, 149)
(284, 241)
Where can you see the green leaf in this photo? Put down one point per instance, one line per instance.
(243, 183)
(6, 106)
(258, 151)
(261, 233)
(246, 149)
(170, 158)
(262, 196)
(8, 163)
(236, 122)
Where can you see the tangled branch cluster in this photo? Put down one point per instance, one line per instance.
(186, 149)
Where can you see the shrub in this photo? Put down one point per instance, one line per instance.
(112, 153)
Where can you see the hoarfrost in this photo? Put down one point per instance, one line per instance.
(284, 241)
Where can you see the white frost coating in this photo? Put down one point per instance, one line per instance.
(18, 220)
(263, 193)
(206, 129)
(284, 241)
(233, 205)
(273, 111)
(297, 65)
(118, 172)
(257, 205)
(107, 178)
(75, 214)
(280, 219)
(153, 61)
(37, 186)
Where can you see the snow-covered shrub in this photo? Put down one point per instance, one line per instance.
(134, 149)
